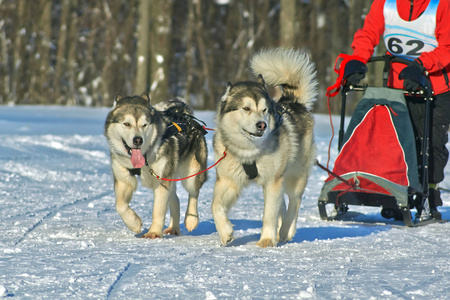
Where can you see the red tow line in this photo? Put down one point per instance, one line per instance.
(193, 175)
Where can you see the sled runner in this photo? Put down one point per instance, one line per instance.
(377, 161)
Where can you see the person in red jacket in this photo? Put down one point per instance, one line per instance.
(418, 30)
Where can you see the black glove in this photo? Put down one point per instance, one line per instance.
(413, 76)
(354, 71)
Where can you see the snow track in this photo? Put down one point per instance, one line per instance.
(32, 228)
(62, 238)
(119, 276)
(54, 212)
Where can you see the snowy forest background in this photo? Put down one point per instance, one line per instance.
(79, 52)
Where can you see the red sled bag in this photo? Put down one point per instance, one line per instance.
(377, 163)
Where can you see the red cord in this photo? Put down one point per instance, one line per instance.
(198, 173)
(206, 128)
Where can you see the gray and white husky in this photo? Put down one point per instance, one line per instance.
(155, 141)
(267, 142)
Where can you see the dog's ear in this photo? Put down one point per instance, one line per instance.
(227, 91)
(260, 80)
(117, 98)
(146, 96)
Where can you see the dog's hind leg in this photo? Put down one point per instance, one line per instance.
(273, 197)
(162, 194)
(124, 192)
(195, 164)
(295, 192)
(191, 219)
(193, 186)
(281, 214)
(174, 206)
(225, 195)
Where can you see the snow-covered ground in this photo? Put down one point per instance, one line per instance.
(62, 238)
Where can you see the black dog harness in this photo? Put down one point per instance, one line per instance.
(189, 123)
(251, 170)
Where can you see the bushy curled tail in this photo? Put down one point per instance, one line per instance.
(289, 68)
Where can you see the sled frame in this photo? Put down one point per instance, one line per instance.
(342, 200)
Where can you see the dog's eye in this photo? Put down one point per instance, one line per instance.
(246, 108)
(145, 125)
(264, 110)
(126, 124)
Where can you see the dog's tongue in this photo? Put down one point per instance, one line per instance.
(137, 159)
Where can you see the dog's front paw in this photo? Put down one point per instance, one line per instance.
(132, 220)
(264, 243)
(151, 235)
(191, 222)
(137, 227)
(226, 240)
(172, 231)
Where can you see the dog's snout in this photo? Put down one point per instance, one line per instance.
(137, 141)
(261, 126)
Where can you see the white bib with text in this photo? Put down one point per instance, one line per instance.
(409, 39)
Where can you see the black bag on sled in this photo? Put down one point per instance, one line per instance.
(377, 163)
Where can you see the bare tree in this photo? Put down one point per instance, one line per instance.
(61, 51)
(5, 79)
(19, 54)
(288, 15)
(143, 65)
(160, 49)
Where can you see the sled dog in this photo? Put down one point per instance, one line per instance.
(149, 141)
(267, 142)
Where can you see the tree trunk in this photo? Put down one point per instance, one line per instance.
(161, 34)
(108, 53)
(72, 67)
(19, 53)
(142, 55)
(61, 54)
(5, 80)
(39, 86)
(288, 17)
(189, 51)
(207, 90)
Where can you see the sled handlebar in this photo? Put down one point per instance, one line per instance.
(388, 59)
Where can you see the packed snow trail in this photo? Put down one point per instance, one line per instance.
(62, 238)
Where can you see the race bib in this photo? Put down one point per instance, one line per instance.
(409, 38)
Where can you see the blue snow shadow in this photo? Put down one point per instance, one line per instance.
(208, 227)
(303, 234)
(365, 224)
(311, 234)
(445, 212)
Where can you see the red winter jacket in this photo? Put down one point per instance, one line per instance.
(436, 62)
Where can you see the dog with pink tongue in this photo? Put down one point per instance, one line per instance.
(156, 144)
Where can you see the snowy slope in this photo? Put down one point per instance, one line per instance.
(62, 238)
